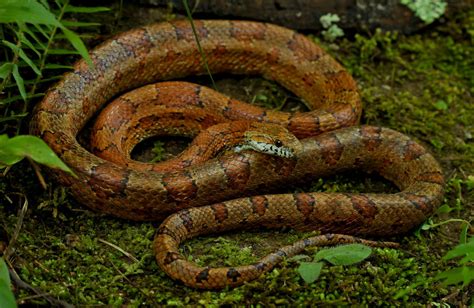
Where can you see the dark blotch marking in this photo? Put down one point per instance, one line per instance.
(345, 114)
(412, 151)
(180, 186)
(304, 125)
(273, 56)
(329, 236)
(219, 51)
(55, 141)
(420, 202)
(260, 266)
(331, 149)
(307, 242)
(364, 206)
(197, 92)
(108, 182)
(303, 48)
(280, 253)
(371, 137)
(171, 257)
(220, 212)
(248, 34)
(186, 219)
(286, 166)
(305, 203)
(111, 147)
(139, 46)
(119, 119)
(308, 80)
(203, 275)
(237, 171)
(259, 205)
(185, 32)
(163, 229)
(233, 274)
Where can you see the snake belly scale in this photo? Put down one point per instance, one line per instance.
(203, 195)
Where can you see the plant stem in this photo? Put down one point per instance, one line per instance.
(43, 61)
(203, 55)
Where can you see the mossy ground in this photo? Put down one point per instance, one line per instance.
(420, 85)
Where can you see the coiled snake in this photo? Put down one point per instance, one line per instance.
(203, 195)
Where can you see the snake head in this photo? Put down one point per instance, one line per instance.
(270, 139)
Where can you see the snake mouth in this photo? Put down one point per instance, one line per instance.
(266, 148)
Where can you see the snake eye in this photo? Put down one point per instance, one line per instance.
(278, 143)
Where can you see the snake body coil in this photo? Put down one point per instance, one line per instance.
(168, 50)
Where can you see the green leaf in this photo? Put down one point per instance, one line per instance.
(62, 52)
(53, 66)
(19, 82)
(84, 9)
(344, 254)
(22, 55)
(45, 4)
(5, 69)
(444, 209)
(6, 295)
(81, 35)
(18, 97)
(26, 11)
(68, 23)
(457, 275)
(310, 271)
(13, 117)
(39, 44)
(8, 156)
(78, 44)
(40, 30)
(25, 41)
(461, 250)
(15, 149)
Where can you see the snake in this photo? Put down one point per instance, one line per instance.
(236, 189)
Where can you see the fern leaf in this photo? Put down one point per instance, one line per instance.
(77, 9)
(5, 69)
(19, 82)
(22, 55)
(69, 23)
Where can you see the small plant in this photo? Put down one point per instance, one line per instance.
(464, 273)
(159, 151)
(454, 186)
(30, 31)
(339, 255)
(15, 149)
(426, 10)
(332, 30)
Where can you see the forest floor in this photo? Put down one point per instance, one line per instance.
(420, 85)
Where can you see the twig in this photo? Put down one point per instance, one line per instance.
(20, 283)
(6, 170)
(127, 254)
(16, 232)
(38, 173)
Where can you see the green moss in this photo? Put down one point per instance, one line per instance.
(421, 85)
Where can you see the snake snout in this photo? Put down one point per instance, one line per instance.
(272, 139)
